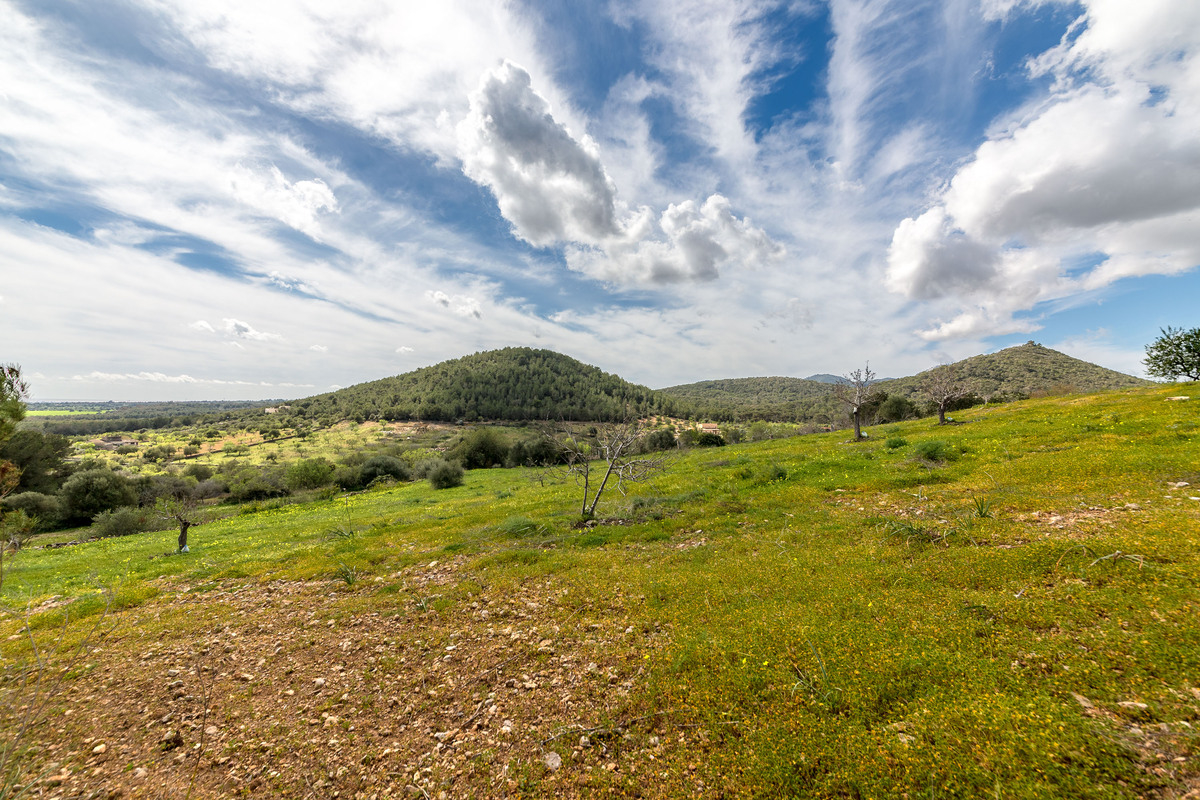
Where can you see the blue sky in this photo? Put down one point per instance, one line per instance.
(218, 199)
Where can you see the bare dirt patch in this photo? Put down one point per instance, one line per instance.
(291, 689)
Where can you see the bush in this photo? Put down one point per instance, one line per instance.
(348, 478)
(480, 448)
(445, 474)
(383, 467)
(662, 439)
(93, 491)
(896, 409)
(311, 473)
(895, 442)
(46, 509)
(120, 522)
(710, 440)
(210, 488)
(537, 451)
(935, 450)
(253, 484)
(200, 472)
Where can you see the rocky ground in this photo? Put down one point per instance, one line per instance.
(291, 689)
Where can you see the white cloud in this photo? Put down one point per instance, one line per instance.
(1098, 181)
(243, 330)
(319, 348)
(700, 239)
(553, 188)
(295, 204)
(460, 305)
(404, 349)
(202, 325)
(549, 184)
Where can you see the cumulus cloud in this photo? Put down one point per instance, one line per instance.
(1105, 172)
(553, 188)
(548, 184)
(296, 204)
(698, 241)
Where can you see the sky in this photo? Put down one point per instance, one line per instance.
(220, 199)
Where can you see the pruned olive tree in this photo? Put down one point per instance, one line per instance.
(943, 387)
(854, 391)
(610, 458)
(182, 509)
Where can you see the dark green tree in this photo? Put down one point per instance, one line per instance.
(87, 493)
(1176, 352)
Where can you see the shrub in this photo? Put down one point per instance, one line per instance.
(348, 478)
(662, 439)
(46, 509)
(480, 448)
(935, 450)
(383, 467)
(895, 442)
(310, 473)
(710, 440)
(445, 474)
(120, 522)
(537, 451)
(896, 409)
(253, 484)
(200, 472)
(88, 493)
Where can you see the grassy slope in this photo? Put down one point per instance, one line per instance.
(852, 629)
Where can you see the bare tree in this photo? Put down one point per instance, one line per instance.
(610, 458)
(942, 386)
(854, 390)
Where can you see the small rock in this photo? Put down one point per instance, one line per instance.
(1133, 507)
(1083, 701)
(245, 677)
(140, 772)
(1136, 731)
(100, 748)
(171, 741)
(331, 721)
(319, 683)
(1133, 705)
(553, 761)
(212, 730)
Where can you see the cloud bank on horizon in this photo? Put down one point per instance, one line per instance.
(220, 199)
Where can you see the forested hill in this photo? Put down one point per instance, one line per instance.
(776, 399)
(516, 383)
(1022, 371)
(1013, 373)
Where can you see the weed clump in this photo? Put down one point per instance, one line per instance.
(935, 451)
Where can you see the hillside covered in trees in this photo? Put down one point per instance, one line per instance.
(1023, 371)
(1010, 374)
(516, 383)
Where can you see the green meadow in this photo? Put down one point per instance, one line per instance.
(1008, 606)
